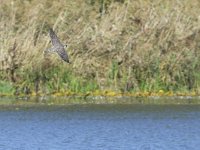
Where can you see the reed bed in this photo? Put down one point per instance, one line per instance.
(122, 46)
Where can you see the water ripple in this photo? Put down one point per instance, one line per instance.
(101, 127)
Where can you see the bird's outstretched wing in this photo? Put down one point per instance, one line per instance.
(54, 39)
(58, 47)
(63, 54)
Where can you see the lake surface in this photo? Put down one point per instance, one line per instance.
(100, 127)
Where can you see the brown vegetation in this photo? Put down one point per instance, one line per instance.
(120, 45)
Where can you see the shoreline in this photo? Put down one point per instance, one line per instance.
(36, 101)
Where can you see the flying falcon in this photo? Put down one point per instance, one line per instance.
(58, 47)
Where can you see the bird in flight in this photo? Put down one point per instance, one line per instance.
(57, 47)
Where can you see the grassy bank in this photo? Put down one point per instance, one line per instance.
(116, 47)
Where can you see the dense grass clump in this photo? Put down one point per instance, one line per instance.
(119, 45)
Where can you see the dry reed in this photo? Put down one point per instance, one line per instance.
(123, 45)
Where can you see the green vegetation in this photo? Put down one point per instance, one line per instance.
(122, 46)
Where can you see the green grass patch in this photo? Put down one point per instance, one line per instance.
(6, 88)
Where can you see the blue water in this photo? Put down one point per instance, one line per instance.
(100, 127)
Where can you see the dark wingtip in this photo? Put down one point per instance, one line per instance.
(68, 62)
(50, 30)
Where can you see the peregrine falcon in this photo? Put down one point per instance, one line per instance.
(58, 47)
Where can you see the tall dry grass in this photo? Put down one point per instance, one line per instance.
(123, 45)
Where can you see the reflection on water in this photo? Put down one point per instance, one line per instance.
(101, 127)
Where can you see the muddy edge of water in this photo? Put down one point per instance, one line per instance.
(62, 101)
